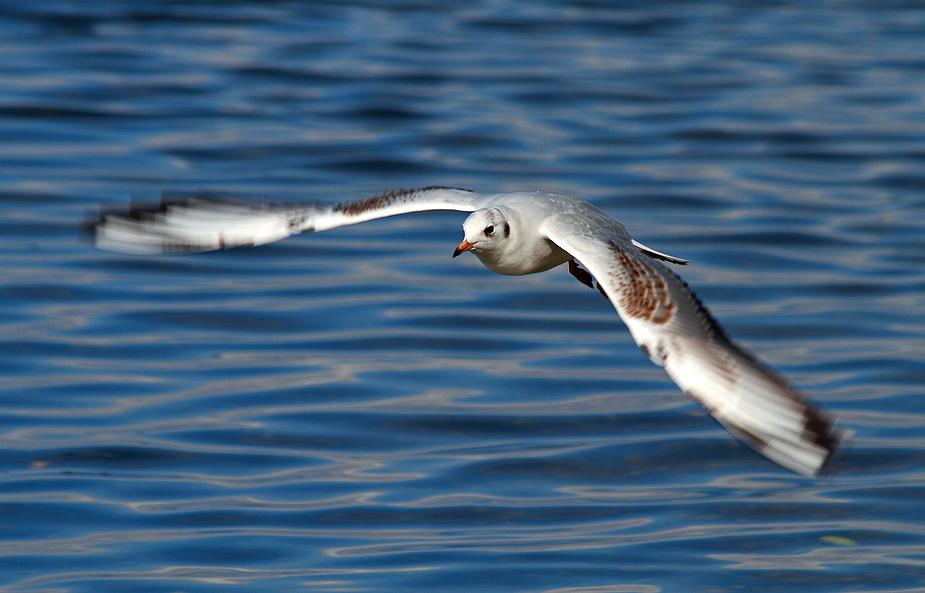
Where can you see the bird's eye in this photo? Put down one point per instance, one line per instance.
(489, 230)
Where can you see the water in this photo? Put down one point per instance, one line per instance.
(355, 410)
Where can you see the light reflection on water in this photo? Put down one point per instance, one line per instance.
(357, 410)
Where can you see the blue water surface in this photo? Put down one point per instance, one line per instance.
(357, 411)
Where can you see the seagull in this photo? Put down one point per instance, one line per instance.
(525, 233)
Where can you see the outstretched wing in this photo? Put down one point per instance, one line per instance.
(196, 224)
(674, 329)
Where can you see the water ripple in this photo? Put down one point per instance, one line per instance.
(357, 410)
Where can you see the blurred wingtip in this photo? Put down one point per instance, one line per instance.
(839, 446)
(188, 222)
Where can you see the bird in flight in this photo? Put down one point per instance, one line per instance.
(525, 233)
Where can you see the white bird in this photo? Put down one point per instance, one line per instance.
(524, 233)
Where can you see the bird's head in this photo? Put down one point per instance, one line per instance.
(486, 233)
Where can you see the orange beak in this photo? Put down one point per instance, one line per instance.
(464, 246)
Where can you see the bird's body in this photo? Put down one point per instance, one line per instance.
(525, 233)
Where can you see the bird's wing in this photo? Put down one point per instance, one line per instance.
(199, 224)
(659, 255)
(675, 330)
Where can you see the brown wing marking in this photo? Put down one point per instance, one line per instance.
(383, 200)
(644, 293)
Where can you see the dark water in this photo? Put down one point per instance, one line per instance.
(356, 411)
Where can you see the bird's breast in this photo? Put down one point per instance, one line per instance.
(529, 259)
